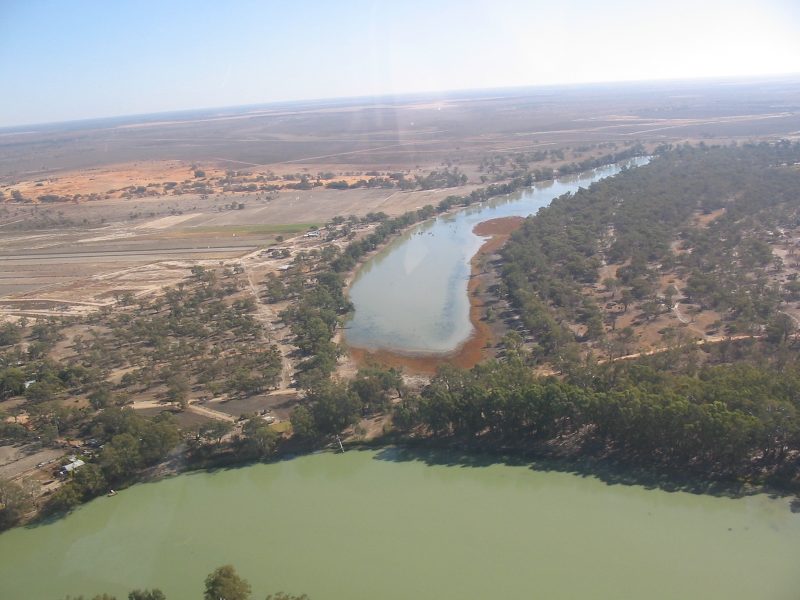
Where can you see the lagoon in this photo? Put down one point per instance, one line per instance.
(411, 297)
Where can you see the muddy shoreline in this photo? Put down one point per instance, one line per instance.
(481, 343)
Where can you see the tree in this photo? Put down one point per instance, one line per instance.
(669, 296)
(12, 381)
(178, 389)
(64, 499)
(31, 489)
(154, 594)
(215, 430)
(120, 457)
(303, 424)
(101, 397)
(89, 480)
(41, 391)
(651, 309)
(259, 438)
(780, 328)
(512, 343)
(372, 385)
(610, 284)
(157, 439)
(626, 336)
(334, 407)
(626, 299)
(14, 502)
(10, 334)
(225, 584)
(48, 434)
(242, 381)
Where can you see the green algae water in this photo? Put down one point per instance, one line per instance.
(386, 525)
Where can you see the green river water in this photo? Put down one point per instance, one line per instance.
(387, 525)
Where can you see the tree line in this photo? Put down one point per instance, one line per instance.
(223, 583)
(724, 420)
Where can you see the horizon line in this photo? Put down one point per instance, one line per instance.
(43, 125)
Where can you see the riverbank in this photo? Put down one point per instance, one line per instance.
(481, 343)
(568, 456)
(413, 313)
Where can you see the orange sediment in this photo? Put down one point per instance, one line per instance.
(477, 347)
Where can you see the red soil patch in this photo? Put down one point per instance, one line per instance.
(502, 227)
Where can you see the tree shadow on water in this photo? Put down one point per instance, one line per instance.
(446, 456)
(608, 470)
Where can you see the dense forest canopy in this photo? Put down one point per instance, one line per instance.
(678, 410)
(642, 222)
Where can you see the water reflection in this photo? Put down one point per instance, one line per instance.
(412, 296)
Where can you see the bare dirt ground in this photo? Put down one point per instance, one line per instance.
(276, 404)
(81, 268)
(186, 420)
(19, 461)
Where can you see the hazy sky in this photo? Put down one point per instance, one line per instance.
(77, 59)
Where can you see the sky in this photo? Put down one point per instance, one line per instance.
(77, 59)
